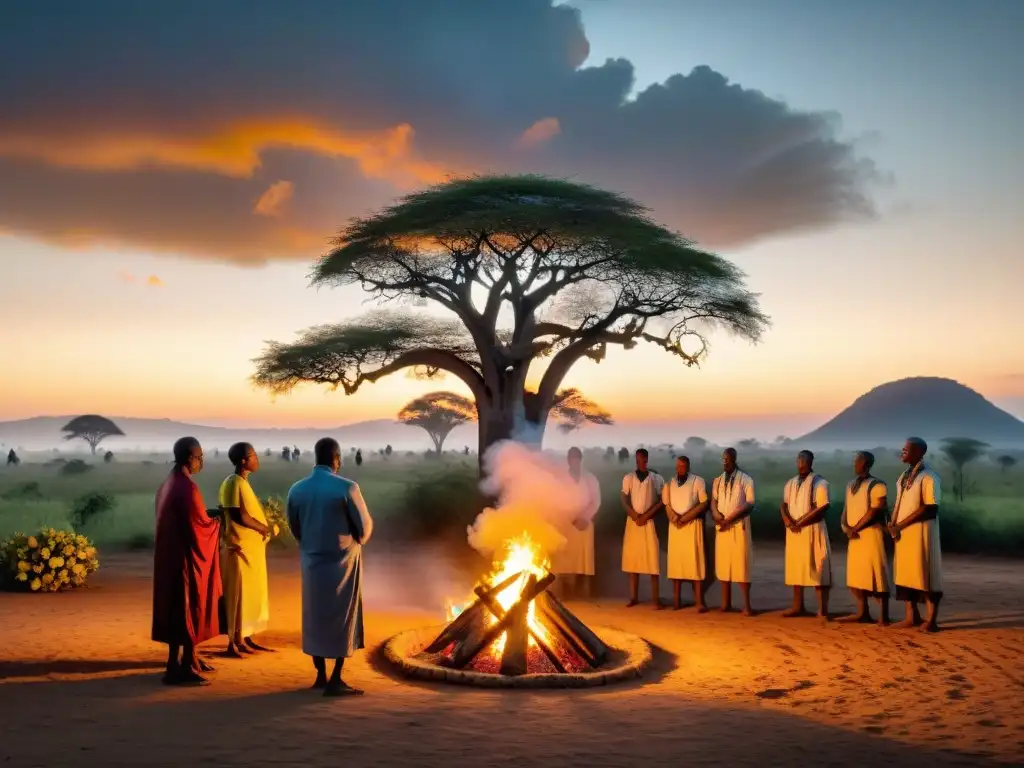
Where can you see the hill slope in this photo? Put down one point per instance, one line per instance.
(932, 408)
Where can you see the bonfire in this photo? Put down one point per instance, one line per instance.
(514, 626)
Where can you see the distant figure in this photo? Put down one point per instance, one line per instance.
(732, 502)
(12, 458)
(286, 454)
(331, 523)
(917, 565)
(641, 552)
(108, 457)
(244, 557)
(623, 455)
(296, 453)
(805, 501)
(686, 503)
(867, 565)
(359, 457)
(574, 563)
(186, 570)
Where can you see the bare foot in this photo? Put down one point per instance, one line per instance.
(257, 647)
(727, 609)
(702, 609)
(320, 683)
(929, 626)
(205, 666)
(854, 618)
(193, 678)
(677, 607)
(792, 613)
(632, 603)
(748, 611)
(341, 689)
(883, 621)
(233, 652)
(907, 623)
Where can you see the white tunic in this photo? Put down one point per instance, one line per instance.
(867, 565)
(686, 556)
(917, 563)
(641, 551)
(577, 556)
(734, 548)
(808, 552)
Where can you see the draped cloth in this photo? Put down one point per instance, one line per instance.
(867, 565)
(186, 567)
(244, 563)
(808, 551)
(734, 548)
(686, 545)
(641, 551)
(577, 556)
(917, 561)
(329, 519)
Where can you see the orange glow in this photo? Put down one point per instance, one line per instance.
(273, 201)
(233, 150)
(540, 132)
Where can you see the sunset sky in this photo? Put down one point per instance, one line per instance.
(168, 171)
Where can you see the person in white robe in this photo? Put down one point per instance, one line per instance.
(641, 550)
(330, 521)
(805, 502)
(917, 563)
(864, 523)
(732, 502)
(574, 563)
(686, 503)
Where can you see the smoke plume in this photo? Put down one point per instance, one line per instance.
(536, 497)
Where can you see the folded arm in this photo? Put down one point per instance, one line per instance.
(694, 512)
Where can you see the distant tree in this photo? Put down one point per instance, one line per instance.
(388, 450)
(108, 457)
(750, 444)
(623, 455)
(962, 451)
(91, 428)
(1006, 462)
(286, 453)
(572, 410)
(782, 441)
(575, 270)
(695, 444)
(438, 413)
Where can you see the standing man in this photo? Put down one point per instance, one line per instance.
(864, 523)
(686, 502)
(641, 553)
(329, 520)
(575, 561)
(732, 502)
(244, 559)
(186, 569)
(917, 563)
(805, 501)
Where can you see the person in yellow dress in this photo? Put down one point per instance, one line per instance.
(244, 555)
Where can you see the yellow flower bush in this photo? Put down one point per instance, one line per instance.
(277, 519)
(50, 561)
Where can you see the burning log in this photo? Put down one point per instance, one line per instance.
(467, 650)
(499, 613)
(577, 634)
(474, 615)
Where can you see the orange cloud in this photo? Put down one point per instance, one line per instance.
(539, 133)
(154, 282)
(234, 150)
(273, 201)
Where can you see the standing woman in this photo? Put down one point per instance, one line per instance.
(244, 559)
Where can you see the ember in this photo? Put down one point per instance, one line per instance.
(515, 626)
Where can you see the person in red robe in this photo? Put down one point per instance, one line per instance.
(186, 568)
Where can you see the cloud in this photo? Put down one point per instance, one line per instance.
(154, 282)
(159, 130)
(273, 201)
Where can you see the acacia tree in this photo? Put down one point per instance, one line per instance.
(91, 428)
(1006, 462)
(438, 413)
(572, 410)
(525, 268)
(962, 451)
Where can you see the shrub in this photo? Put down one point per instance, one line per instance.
(75, 467)
(273, 508)
(25, 492)
(50, 561)
(90, 505)
(140, 541)
(440, 504)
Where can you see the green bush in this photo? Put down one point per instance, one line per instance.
(89, 506)
(75, 467)
(24, 492)
(436, 505)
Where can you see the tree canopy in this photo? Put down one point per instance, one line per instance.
(962, 451)
(572, 410)
(438, 413)
(523, 268)
(92, 429)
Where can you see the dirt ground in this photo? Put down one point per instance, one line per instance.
(79, 684)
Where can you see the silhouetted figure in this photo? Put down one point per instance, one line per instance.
(359, 457)
(286, 453)
(108, 457)
(623, 455)
(296, 453)
(12, 459)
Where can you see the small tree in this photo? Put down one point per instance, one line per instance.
(572, 410)
(438, 413)
(695, 445)
(623, 454)
(1006, 462)
(961, 451)
(91, 428)
(388, 450)
(750, 444)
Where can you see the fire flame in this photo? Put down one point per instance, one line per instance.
(523, 556)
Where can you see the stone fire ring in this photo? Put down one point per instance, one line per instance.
(630, 655)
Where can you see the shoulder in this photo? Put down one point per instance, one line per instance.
(698, 480)
(232, 481)
(930, 476)
(821, 481)
(745, 477)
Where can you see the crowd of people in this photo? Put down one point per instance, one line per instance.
(210, 567)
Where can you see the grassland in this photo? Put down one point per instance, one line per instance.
(413, 497)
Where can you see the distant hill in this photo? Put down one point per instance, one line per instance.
(931, 408)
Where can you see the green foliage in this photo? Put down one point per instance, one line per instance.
(89, 506)
(961, 451)
(49, 561)
(437, 413)
(436, 505)
(273, 508)
(92, 429)
(75, 467)
(29, 491)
